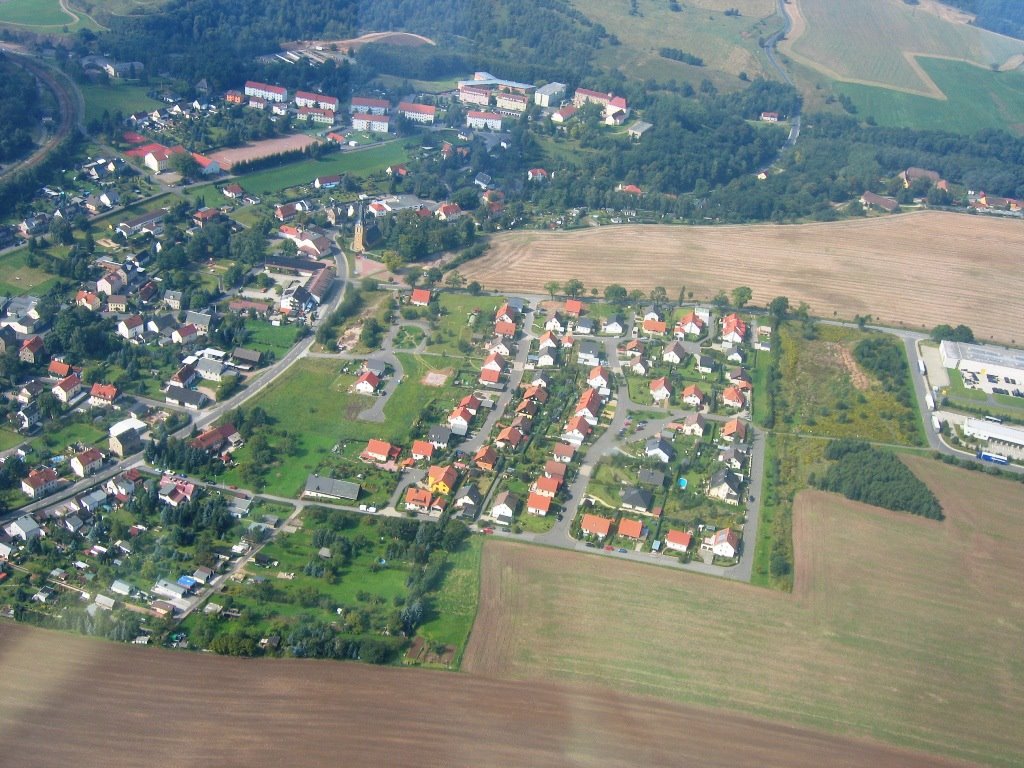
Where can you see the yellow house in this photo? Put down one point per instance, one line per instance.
(441, 480)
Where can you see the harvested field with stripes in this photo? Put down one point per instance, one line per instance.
(913, 270)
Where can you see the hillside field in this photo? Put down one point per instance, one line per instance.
(976, 98)
(913, 270)
(877, 42)
(900, 629)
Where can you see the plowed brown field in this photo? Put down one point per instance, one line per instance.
(71, 701)
(899, 628)
(914, 270)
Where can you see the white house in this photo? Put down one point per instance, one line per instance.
(661, 390)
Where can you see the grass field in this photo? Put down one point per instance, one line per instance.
(359, 163)
(908, 270)
(899, 629)
(453, 609)
(110, 98)
(727, 44)
(34, 13)
(17, 277)
(877, 41)
(976, 98)
(270, 338)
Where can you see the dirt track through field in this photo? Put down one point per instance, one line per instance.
(89, 703)
(913, 270)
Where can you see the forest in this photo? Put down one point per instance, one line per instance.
(18, 108)
(863, 473)
(1003, 16)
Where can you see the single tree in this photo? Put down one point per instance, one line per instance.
(573, 288)
(615, 294)
(659, 295)
(741, 295)
(552, 287)
(778, 308)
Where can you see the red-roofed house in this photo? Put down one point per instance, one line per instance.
(32, 350)
(576, 431)
(39, 482)
(367, 383)
(418, 113)
(654, 326)
(733, 397)
(66, 389)
(678, 540)
(459, 421)
(592, 525)
(547, 486)
(102, 394)
(599, 377)
(538, 504)
(448, 211)
(486, 458)
(489, 377)
(724, 543)
(380, 451)
(734, 429)
(418, 500)
(510, 437)
(422, 450)
(420, 297)
(733, 329)
(88, 300)
(187, 334)
(87, 462)
(536, 174)
(58, 368)
(505, 329)
(661, 390)
(563, 453)
(693, 396)
(631, 529)
(690, 325)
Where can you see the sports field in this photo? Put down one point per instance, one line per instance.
(901, 629)
(259, 149)
(359, 162)
(976, 98)
(90, 703)
(876, 42)
(914, 270)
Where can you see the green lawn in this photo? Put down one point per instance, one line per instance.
(9, 439)
(270, 338)
(54, 441)
(464, 319)
(17, 277)
(34, 13)
(357, 163)
(453, 610)
(110, 98)
(977, 98)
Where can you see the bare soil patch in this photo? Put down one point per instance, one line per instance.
(436, 378)
(911, 270)
(857, 377)
(900, 628)
(354, 43)
(128, 704)
(258, 149)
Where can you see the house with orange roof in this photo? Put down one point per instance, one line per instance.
(422, 450)
(576, 431)
(734, 430)
(495, 362)
(510, 437)
(490, 378)
(588, 406)
(598, 527)
(563, 453)
(527, 408)
(59, 368)
(548, 340)
(733, 329)
(546, 486)
(420, 297)
(380, 451)
(733, 397)
(505, 329)
(654, 326)
(66, 389)
(693, 396)
(678, 541)
(599, 377)
(574, 307)
(690, 325)
(536, 393)
(556, 469)
(538, 504)
(441, 480)
(459, 421)
(661, 390)
(486, 458)
(418, 500)
(631, 529)
(88, 300)
(102, 394)
(506, 313)
(86, 462)
(471, 403)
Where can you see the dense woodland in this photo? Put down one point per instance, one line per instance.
(18, 109)
(1003, 16)
(877, 477)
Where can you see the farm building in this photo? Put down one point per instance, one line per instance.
(327, 488)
